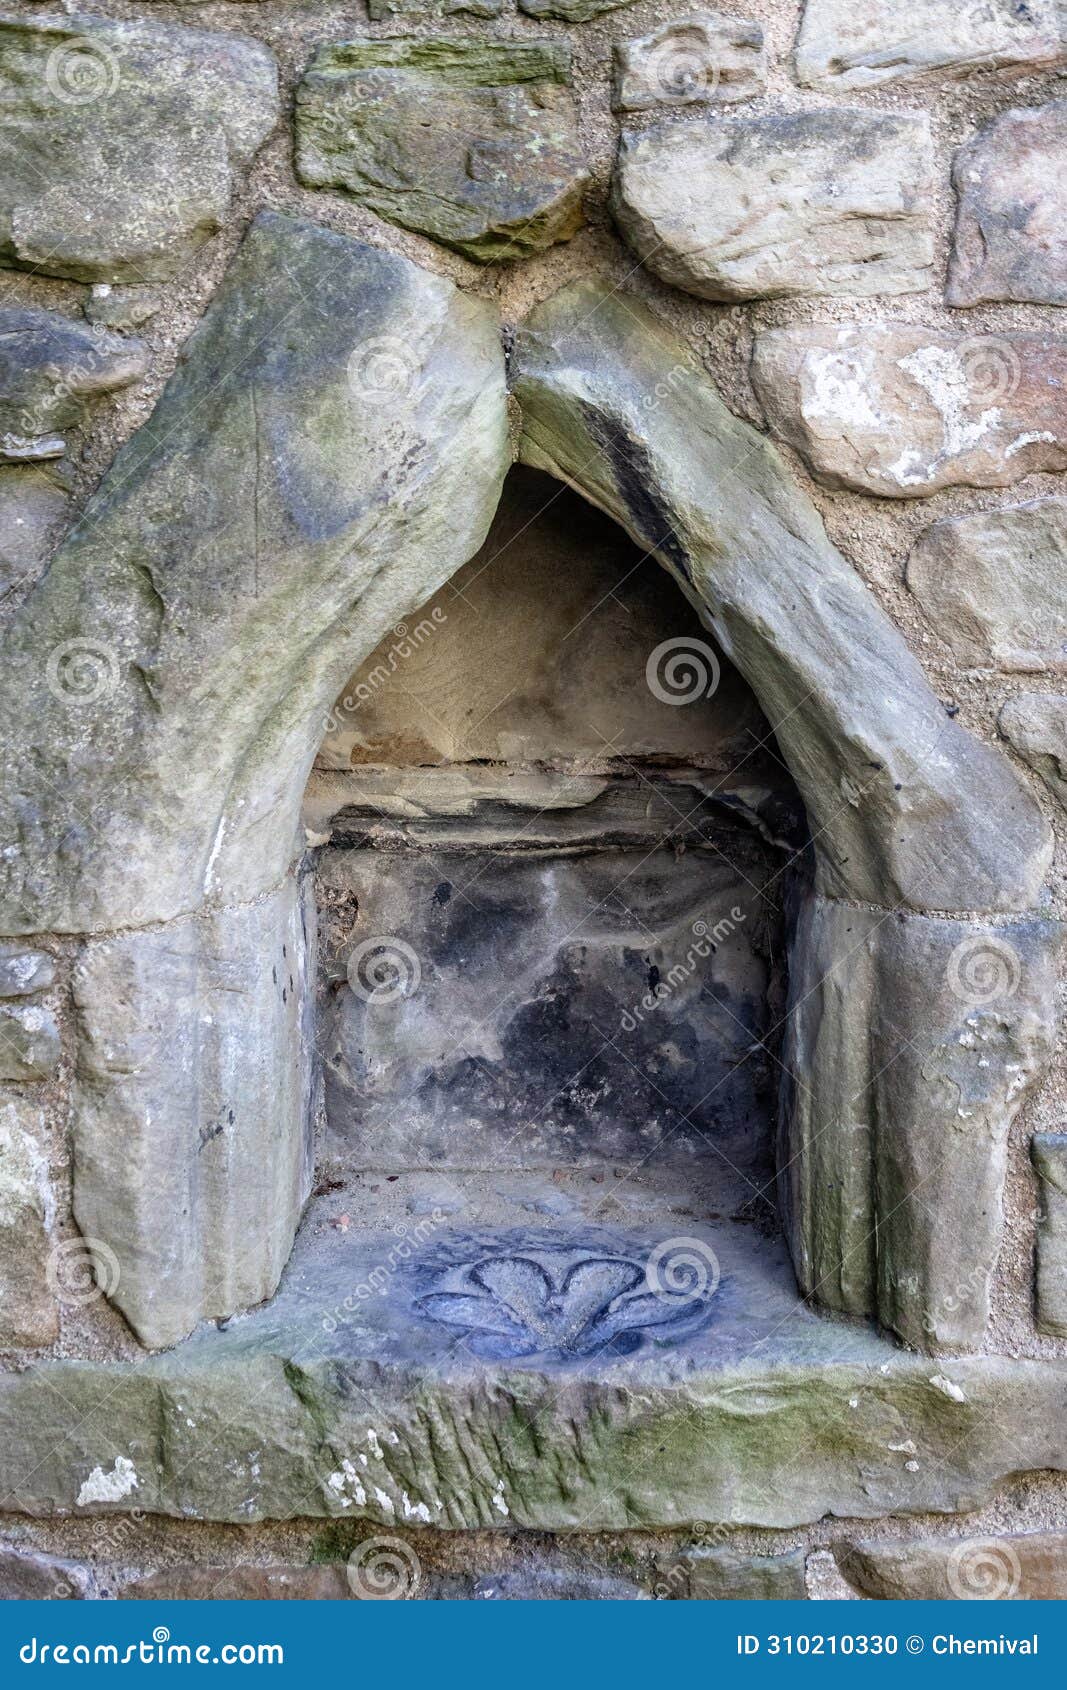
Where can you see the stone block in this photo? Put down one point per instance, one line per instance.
(822, 202)
(903, 411)
(498, 174)
(50, 367)
(860, 45)
(192, 1107)
(29, 1042)
(24, 972)
(918, 1039)
(1011, 184)
(705, 58)
(1007, 1567)
(1035, 725)
(34, 506)
(29, 1317)
(1049, 1154)
(26, 1576)
(124, 142)
(994, 585)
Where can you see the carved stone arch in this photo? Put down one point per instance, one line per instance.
(330, 451)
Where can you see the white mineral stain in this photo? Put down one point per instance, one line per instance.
(498, 1500)
(948, 1387)
(109, 1487)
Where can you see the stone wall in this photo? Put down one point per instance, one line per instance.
(855, 225)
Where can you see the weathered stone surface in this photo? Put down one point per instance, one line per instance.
(571, 11)
(994, 585)
(1035, 725)
(613, 403)
(24, 972)
(725, 1575)
(122, 308)
(245, 1583)
(822, 202)
(921, 1038)
(1012, 1567)
(33, 509)
(859, 45)
(164, 687)
(26, 1576)
(192, 1109)
(343, 1401)
(498, 172)
(904, 411)
(123, 142)
(1049, 1154)
(1011, 241)
(706, 58)
(29, 1043)
(50, 367)
(481, 1055)
(28, 1314)
(541, 1582)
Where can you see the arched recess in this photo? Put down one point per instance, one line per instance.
(329, 453)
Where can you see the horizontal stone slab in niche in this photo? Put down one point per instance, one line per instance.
(1005, 1567)
(1011, 230)
(822, 202)
(1035, 725)
(474, 143)
(903, 411)
(994, 585)
(706, 58)
(123, 142)
(50, 367)
(859, 43)
(346, 1399)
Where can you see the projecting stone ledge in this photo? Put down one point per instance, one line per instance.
(400, 1386)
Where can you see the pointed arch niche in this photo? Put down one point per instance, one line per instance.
(329, 454)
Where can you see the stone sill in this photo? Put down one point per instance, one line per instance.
(344, 1399)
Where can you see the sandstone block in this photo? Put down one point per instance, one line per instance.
(1009, 1567)
(1011, 229)
(860, 45)
(706, 58)
(824, 202)
(1049, 1154)
(28, 1313)
(994, 585)
(26, 1576)
(903, 411)
(124, 142)
(498, 173)
(29, 1043)
(49, 368)
(1035, 724)
(24, 972)
(34, 505)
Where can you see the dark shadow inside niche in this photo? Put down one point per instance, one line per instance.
(557, 835)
